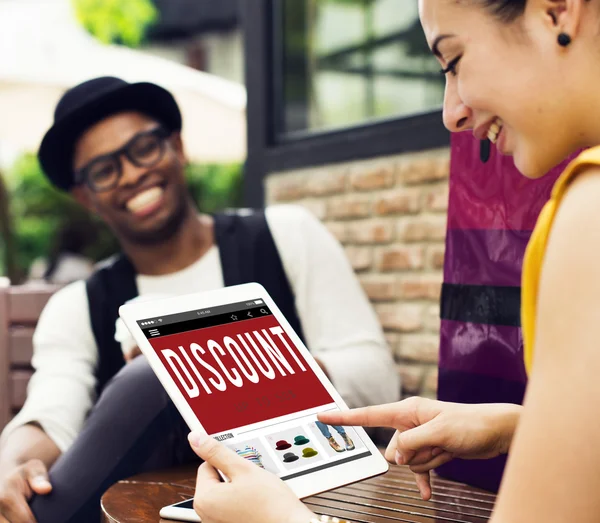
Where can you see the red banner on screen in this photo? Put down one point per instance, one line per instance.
(240, 373)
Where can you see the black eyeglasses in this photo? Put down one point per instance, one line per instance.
(145, 149)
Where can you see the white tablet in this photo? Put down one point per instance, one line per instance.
(236, 370)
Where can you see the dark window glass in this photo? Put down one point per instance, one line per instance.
(346, 62)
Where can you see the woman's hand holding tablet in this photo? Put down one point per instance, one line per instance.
(237, 371)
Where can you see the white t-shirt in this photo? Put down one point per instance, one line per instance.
(339, 325)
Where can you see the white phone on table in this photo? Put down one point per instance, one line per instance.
(182, 511)
(236, 370)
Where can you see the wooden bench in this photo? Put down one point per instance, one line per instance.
(20, 308)
(390, 498)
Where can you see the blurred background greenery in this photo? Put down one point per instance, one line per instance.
(35, 218)
(116, 21)
(37, 212)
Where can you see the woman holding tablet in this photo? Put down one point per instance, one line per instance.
(524, 74)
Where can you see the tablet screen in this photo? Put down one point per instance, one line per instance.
(252, 388)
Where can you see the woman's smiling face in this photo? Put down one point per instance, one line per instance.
(505, 80)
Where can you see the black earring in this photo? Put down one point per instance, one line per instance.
(564, 39)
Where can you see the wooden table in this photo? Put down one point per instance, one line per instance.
(385, 499)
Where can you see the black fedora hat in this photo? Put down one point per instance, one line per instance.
(90, 102)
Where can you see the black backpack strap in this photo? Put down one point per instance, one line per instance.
(107, 289)
(248, 254)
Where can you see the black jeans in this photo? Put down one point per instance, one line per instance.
(134, 427)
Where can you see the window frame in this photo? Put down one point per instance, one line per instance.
(268, 153)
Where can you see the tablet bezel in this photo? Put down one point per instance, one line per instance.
(303, 486)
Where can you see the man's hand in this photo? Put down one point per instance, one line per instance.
(252, 494)
(18, 486)
(430, 433)
(132, 354)
(323, 368)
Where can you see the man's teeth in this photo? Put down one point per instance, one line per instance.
(494, 130)
(145, 199)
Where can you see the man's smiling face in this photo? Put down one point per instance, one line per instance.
(142, 204)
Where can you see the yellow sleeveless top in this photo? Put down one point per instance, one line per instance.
(534, 255)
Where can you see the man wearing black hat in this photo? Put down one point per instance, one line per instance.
(90, 418)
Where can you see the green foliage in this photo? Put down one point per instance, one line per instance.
(39, 211)
(215, 187)
(117, 21)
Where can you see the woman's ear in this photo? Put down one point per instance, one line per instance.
(564, 16)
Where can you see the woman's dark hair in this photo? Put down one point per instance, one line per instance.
(506, 10)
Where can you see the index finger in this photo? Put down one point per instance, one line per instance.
(376, 416)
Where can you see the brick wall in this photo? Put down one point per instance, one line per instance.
(390, 215)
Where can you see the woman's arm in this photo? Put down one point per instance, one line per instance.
(553, 473)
